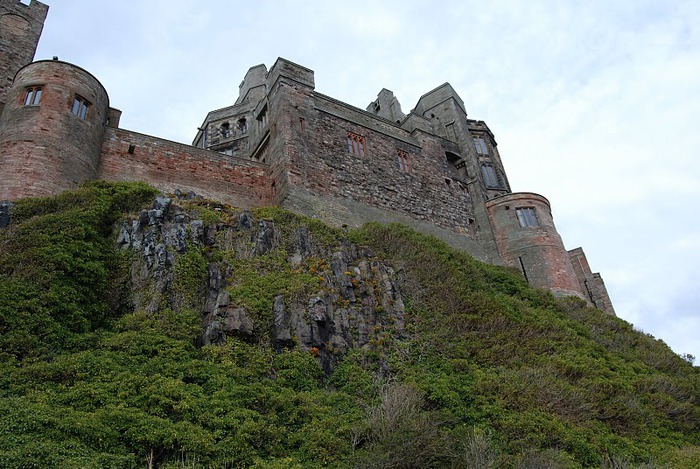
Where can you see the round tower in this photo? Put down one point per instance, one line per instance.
(528, 240)
(51, 130)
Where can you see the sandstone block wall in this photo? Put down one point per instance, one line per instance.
(130, 156)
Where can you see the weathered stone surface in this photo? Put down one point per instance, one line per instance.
(213, 334)
(358, 300)
(265, 240)
(5, 208)
(236, 321)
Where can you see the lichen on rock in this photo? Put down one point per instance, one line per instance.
(260, 279)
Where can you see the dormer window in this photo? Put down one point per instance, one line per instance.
(32, 96)
(225, 130)
(80, 107)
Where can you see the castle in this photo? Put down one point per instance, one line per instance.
(283, 143)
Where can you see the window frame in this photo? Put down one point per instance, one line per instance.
(527, 217)
(80, 107)
(491, 175)
(32, 95)
(357, 144)
(480, 145)
(225, 130)
(404, 160)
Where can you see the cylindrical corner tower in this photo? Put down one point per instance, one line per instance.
(51, 130)
(528, 240)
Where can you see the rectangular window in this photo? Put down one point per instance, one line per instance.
(262, 118)
(527, 216)
(243, 125)
(225, 130)
(32, 96)
(80, 107)
(480, 146)
(491, 178)
(356, 144)
(404, 161)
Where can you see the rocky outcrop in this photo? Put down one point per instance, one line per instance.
(5, 213)
(354, 302)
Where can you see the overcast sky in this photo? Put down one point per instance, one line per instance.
(594, 104)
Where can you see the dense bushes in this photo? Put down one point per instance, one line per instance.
(489, 373)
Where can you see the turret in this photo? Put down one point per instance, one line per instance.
(20, 28)
(51, 130)
(387, 106)
(528, 240)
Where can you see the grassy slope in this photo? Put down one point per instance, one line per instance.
(492, 371)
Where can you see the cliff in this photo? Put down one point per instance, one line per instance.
(142, 329)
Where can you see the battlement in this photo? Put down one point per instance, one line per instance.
(31, 8)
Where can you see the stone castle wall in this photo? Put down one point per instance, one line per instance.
(171, 166)
(536, 250)
(394, 170)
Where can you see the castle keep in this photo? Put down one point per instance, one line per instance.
(283, 143)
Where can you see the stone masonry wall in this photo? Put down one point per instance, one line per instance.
(320, 162)
(20, 28)
(171, 166)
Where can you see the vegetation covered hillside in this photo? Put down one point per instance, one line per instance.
(143, 331)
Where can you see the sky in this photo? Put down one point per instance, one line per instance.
(594, 104)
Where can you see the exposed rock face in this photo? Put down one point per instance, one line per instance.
(5, 213)
(355, 302)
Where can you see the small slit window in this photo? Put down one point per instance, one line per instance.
(527, 217)
(32, 96)
(243, 125)
(80, 107)
(356, 144)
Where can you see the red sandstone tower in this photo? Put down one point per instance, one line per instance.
(51, 130)
(527, 239)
